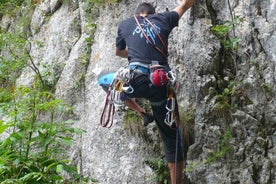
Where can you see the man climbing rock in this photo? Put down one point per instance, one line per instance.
(143, 40)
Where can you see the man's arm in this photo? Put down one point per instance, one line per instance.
(183, 7)
(121, 53)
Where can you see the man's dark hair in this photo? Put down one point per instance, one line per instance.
(145, 8)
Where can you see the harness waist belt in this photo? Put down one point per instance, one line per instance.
(139, 64)
(143, 69)
(147, 62)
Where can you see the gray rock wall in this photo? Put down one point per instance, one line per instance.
(205, 68)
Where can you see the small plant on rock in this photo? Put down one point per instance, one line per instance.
(160, 169)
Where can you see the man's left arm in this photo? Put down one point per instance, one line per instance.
(121, 48)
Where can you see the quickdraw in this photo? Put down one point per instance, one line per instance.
(170, 106)
(115, 96)
(172, 115)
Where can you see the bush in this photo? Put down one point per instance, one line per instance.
(36, 139)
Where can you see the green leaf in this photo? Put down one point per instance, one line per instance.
(52, 165)
(59, 168)
(67, 140)
(3, 127)
(32, 176)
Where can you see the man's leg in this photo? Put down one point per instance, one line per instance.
(132, 104)
(176, 170)
(172, 144)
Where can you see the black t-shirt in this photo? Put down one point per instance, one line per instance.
(130, 36)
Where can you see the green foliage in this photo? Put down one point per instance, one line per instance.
(222, 32)
(222, 148)
(9, 6)
(268, 90)
(231, 98)
(229, 45)
(36, 136)
(224, 100)
(16, 48)
(102, 2)
(131, 117)
(160, 168)
(5, 95)
(92, 6)
(33, 150)
(12, 64)
(92, 28)
(134, 123)
(192, 167)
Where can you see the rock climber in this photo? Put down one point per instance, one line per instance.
(143, 40)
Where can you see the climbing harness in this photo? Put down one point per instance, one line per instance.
(116, 95)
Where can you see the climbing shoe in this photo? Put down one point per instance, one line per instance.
(147, 118)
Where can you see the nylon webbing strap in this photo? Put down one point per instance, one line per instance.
(108, 112)
(147, 38)
(156, 32)
(157, 103)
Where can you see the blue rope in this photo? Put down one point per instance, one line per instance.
(178, 136)
(182, 149)
(176, 154)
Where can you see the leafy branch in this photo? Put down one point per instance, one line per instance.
(33, 150)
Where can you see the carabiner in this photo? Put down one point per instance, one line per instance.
(116, 97)
(172, 76)
(119, 85)
(128, 89)
(170, 106)
(170, 119)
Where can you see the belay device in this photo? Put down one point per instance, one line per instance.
(115, 95)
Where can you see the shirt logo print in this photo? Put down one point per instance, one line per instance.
(148, 30)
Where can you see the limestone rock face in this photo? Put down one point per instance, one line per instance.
(233, 143)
